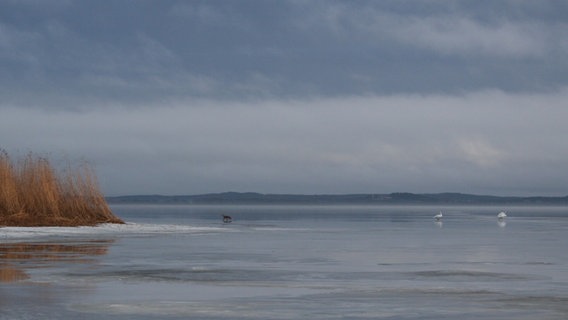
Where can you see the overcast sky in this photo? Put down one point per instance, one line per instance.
(189, 97)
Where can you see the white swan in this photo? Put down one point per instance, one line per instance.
(502, 215)
(438, 217)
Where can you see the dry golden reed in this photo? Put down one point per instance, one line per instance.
(33, 193)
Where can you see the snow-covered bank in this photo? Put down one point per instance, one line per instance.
(17, 233)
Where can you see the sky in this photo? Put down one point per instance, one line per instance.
(318, 97)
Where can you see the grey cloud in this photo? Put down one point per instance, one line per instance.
(89, 53)
(209, 15)
(449, 35)
(472, 143)
(446, 31)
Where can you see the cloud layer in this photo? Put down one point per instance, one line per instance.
(179, 97)
(77, 54)
(482, 142)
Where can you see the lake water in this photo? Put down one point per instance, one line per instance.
(292, 262)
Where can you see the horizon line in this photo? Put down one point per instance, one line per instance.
(337, 194)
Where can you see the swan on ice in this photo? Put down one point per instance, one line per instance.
(438, 217)
(502, 215)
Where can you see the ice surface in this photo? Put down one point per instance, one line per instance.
(182, 262)
(103, 229)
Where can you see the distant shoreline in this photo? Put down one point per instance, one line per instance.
(401, 198)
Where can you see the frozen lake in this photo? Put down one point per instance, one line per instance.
(292, 262)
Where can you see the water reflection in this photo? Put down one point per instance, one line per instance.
(15, 258)
(501, 223)
(11, 274)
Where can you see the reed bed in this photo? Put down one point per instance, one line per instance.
(33, 193)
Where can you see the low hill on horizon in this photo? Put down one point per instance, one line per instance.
(363, 198)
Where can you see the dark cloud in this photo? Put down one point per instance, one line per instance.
(154, 50)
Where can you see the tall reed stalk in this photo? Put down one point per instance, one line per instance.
(33, 193)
